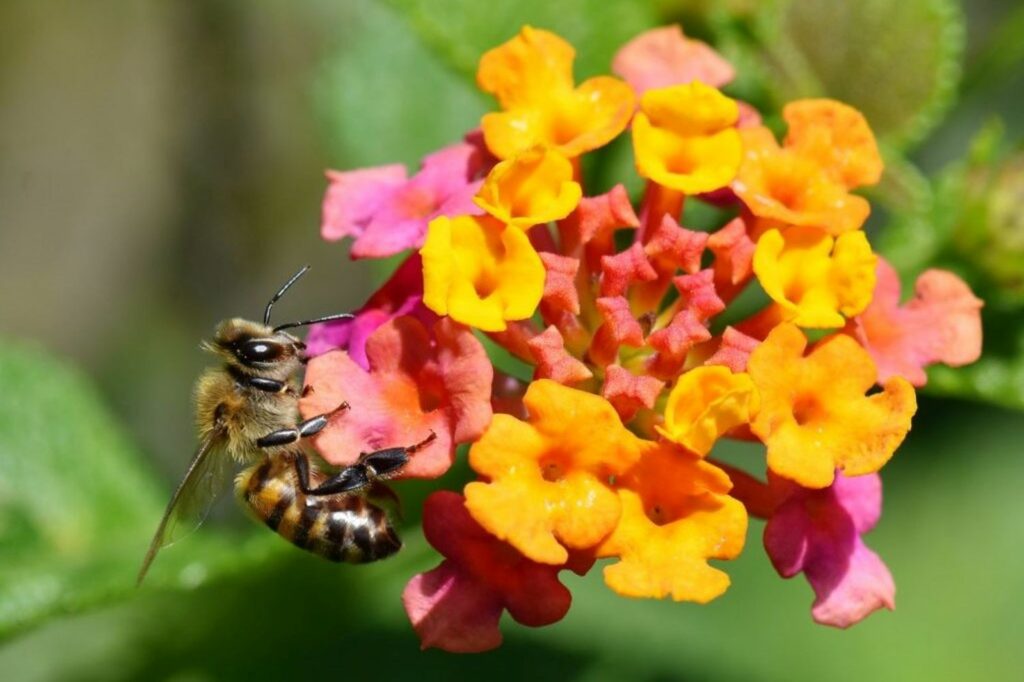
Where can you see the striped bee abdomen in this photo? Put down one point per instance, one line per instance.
(342, 527)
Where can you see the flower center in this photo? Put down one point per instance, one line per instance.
(417, 203)
(807, 409)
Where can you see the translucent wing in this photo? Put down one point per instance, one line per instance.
(206, 477)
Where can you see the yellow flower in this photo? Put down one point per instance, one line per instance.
(676, 514)
(533, 187)
(784, 187)
(684, 138)
(480, 273)
(547, 478)
(705, 403)
(531, 76)
(815, 416)
(816, 279)
(837, 136)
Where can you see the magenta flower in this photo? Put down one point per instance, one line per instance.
(386, 212)
(456, 607)
(818, 533)
(401, 295)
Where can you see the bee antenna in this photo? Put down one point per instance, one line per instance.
(328, 318)
(280, 292)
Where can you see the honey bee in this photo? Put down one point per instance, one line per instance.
(247, 412)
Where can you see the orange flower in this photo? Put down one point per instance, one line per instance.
(814, 414)
(836, 136)
(783, 186)
(531, 76)
(547, 479)
(684, 138)
(676, 514)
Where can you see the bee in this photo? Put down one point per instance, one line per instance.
(328, 520)
(247, 413)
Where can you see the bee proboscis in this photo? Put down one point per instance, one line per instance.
(247, 412)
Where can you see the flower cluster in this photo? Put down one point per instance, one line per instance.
(607, 452)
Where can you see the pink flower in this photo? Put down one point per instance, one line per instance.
(418, 381)
(387, 213)
(664, 56)
(818, 532)
(942, 323)
(456, 607)
(401, 295)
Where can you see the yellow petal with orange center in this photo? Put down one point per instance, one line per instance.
(815, 416)
(837, 136)
(788, 188)
(528, 69)
(706, 403)
(815, 278)
(684, 138)
(534, 187)
(547, 479)
(479, 272)
(676, 514)
(572, 122)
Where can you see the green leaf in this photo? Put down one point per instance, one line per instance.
(913, 233)
(460, 31)
(77, 508)
(898, 62)
(1001, 55)
(384, 97)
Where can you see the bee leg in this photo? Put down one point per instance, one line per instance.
(348, 480)
(386, 463)
(304, 429)
(422, 444)
(371, 467)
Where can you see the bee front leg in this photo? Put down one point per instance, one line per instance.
(304, 429)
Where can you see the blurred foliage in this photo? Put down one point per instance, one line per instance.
(846, 50)
(389, 81)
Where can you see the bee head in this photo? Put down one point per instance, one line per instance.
(261, 348)
(258, 349)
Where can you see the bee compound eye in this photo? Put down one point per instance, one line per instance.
(260, 351)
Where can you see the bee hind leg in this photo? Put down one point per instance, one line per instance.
(348, 480)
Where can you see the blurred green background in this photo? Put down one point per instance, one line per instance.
(161, 168)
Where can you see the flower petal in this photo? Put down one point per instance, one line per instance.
(817, 532)
(546, 486)
(676, 515)
(415, 385)
(663, 56)
(814, 415)
(684, 138)
(480, 273)
(353, 197)
(452, 612)
(705, 404)
(533, 187)
(942, 323)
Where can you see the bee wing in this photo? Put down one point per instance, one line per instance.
(203, 481)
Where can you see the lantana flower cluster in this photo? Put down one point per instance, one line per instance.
(606, 453)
